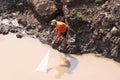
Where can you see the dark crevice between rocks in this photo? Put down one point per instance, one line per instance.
(59, 5)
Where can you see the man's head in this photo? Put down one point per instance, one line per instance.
(53, 22)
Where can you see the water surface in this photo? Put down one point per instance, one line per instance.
(19, 59)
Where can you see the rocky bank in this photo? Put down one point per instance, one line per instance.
(94, 25)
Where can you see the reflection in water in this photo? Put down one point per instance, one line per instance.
(42, 67)
(68, 64)
(63, 67)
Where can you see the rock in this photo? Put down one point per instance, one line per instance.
(19, 35)
(5, 22)
(72, 49)
(24, 23)
(72, 3)
(114, 51)
(45, 9)
(4, 29)
(115, 31)
(98, 55)
(14, 30)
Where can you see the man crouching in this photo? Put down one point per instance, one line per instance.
(61, 29)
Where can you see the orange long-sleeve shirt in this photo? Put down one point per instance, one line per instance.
(61, 27)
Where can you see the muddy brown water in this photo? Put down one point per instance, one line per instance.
(19, 59)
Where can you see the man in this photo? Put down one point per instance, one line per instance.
(61, 29)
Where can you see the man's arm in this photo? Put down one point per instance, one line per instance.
(57, 37)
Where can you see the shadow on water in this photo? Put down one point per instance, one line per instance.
(73, 64)
(63, 67)
(67, 65)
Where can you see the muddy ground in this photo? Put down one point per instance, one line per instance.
(94, 27)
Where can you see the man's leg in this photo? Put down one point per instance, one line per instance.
(65, 39)
(65, 42)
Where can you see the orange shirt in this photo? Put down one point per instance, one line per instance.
(61, 27)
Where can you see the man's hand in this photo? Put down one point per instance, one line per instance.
(53, 42)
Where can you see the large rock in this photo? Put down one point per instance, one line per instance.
(9, 4)
(45, 9)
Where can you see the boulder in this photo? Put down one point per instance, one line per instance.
(45, 9)
(115, 31)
